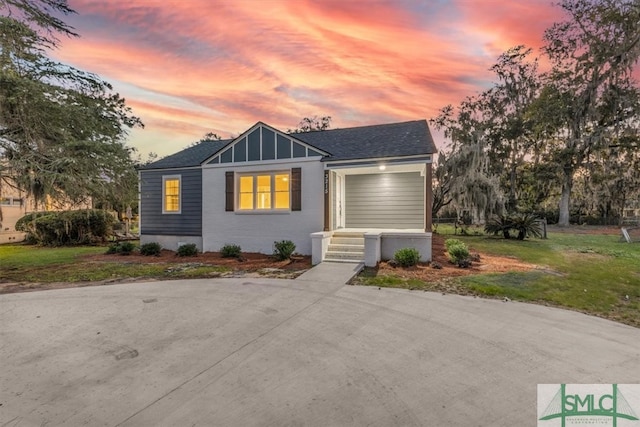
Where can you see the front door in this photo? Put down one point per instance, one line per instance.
(339, 202)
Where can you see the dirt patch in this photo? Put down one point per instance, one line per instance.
(250, 262)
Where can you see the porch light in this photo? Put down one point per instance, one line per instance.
(382, 167)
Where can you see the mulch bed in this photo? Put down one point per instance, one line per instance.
(426, 272)
(247, 262)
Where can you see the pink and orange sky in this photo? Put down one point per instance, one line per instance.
(188, 67)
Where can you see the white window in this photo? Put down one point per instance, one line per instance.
(11, 201)
(171, 194)
(265, 191)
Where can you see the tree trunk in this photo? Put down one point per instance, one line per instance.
(565, 197)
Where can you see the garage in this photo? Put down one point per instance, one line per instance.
(386, 200)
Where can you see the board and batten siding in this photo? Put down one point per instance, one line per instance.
(188, 222)
(389, 200)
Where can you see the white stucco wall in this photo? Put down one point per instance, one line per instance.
(256, 232)
(171, 242)
(391, 242)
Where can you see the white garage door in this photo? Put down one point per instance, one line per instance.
(391, 200)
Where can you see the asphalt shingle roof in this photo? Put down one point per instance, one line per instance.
(364, 142)
(189, 157)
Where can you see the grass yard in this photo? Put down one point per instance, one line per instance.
(592, 273)
(34, 264)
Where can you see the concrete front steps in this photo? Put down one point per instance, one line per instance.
(346, 247)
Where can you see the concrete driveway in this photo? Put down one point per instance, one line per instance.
(245, 352)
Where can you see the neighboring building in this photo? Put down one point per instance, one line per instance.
(15, 204)
(13, 207)
(345, 194)
(631, 213)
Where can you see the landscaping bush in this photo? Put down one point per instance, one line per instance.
(230, 251)
(121, 248)
(126, 248)
(284, 249)
(501, 224)
(524, 224)
(458, 252)
(151, 248)
(452, 242)
(407, 257)
(189, 249)
(67, 227)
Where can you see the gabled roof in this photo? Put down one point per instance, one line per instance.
(263, 138)
(364, 142)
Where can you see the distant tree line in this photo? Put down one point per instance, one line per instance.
(565, 140)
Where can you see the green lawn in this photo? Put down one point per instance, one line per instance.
(25, 263)
(18, 256)
(590, 273)
(596, 274)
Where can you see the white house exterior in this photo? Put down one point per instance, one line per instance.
(347, 194)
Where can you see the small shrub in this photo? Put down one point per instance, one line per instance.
(524, 224)
(464, 263)
(284, 249)
(149, 249)
(189, 249)
(121, 248)
(452, 242)
(500, 224)
(230, 251)
(126, 248)
(407, 257)
(458, 252)
(112, 249)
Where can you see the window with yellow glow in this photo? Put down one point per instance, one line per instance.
(171, 195)
(246, 193)
(282, 191)
(264, 192)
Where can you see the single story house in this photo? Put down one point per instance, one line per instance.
(346, 194)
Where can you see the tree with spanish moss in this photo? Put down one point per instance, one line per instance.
(62, 130)
(589, 99)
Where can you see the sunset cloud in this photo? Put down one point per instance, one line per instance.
(193, 66)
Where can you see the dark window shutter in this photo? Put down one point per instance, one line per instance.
(229, 185)
(296, 189)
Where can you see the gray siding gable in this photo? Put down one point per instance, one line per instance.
(186, 223)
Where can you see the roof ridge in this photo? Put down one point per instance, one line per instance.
(359, 127)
